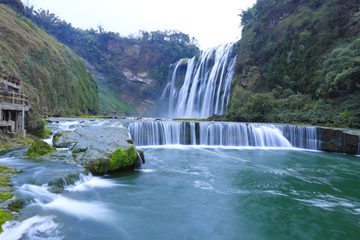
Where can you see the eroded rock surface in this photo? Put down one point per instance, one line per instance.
(92, 147)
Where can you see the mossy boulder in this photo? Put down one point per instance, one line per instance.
(119, 159)
(39, 148)
(98, 149)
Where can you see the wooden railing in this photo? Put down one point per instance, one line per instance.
(13, 97)
(11, 80)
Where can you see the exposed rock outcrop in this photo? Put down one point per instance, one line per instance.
(97, 149)
(339, 140)
(139, 76)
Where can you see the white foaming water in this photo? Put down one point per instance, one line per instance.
(86, 182)
(206, 85)
(48, 140)
(37, 227)
(51, 201)
(65, 126)
(43, 227)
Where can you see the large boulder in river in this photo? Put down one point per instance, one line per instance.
(99, 149)
(39, 148)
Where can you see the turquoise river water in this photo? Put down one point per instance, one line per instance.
(192, 192)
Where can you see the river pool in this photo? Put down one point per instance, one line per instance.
(192, 192)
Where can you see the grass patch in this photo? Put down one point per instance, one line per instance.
(111, 105)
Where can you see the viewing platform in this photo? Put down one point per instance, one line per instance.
(13, 105)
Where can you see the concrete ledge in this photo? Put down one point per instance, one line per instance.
(10, 124)
(22, 133)
(16, 107)
(13, 134)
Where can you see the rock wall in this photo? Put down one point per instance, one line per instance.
(339, 140)
(141, 77)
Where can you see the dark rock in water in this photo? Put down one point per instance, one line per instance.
(39, 148)
(58, 184)
(141, 153)
(67, 139)
(216, 117)
(97, 149)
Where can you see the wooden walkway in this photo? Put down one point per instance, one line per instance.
(13, 106)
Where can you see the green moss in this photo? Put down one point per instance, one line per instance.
(122, 158)
(16, 205)
(6, 195)
(4, 217)
(100, 167)
(4, 169)
(55, 139)
(4, 179)
(38, 148)
(47, 132)
(119, 159)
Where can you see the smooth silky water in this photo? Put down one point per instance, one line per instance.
(192, 192)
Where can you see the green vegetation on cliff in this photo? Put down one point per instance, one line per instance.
(53, 76)
(298, 61)
(110, 55)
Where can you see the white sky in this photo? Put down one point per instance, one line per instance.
(210, 22)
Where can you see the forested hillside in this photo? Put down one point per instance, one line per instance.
(298, 61)
(52, 75)
(131, 70)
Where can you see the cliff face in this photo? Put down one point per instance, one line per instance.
(52, 75)
(294, 51)
(140, 72)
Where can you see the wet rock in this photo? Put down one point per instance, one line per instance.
(97, 149)
(339, 140)
(216, 117)
(141, 153)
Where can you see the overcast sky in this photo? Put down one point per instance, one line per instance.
(210, 22)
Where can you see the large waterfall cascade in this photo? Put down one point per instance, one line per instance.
(223, 134)
(206, 85)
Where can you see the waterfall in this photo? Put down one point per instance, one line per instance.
(204, 89)
(301, 136)
(147, 133)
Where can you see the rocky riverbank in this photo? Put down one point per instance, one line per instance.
(97, 149)
(8, 143)
(9, 204)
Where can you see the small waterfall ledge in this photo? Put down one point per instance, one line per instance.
(167, 132)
